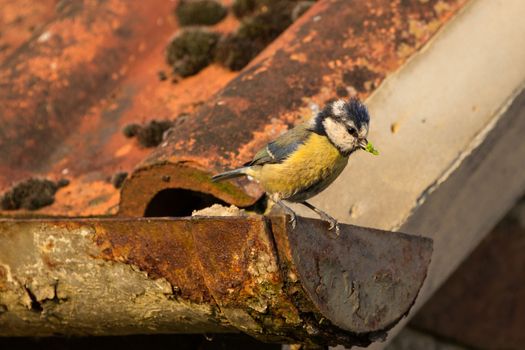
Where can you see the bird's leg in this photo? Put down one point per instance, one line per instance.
(293, 217)
(333, 222)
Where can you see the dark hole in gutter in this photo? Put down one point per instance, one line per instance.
(179, 202)
(35, 305)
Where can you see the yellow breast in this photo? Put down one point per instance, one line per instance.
(314, 165)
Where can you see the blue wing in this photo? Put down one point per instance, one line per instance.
(278, 150)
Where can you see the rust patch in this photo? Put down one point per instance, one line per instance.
(87, 70)
(240, 267)
(20, 20)
(149, 248)
(361, 78)
(231, 262)
(3, 275)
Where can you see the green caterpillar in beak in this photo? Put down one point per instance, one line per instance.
(370, 149)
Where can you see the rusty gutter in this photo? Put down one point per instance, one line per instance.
(102, 276)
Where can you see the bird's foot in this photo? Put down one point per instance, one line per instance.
(337, 229)
(334, 225)
(287, 210)
(331, 221)
(324, 216)
(293, 220)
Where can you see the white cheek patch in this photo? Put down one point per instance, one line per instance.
(338, 134)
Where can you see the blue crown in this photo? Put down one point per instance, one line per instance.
(357, 111)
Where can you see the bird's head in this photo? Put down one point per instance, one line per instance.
(345, 123)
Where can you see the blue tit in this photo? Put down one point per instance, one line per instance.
(308, 158)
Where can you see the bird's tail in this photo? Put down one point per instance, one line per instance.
(230, 174)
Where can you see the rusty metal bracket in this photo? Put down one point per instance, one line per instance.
(207, 274)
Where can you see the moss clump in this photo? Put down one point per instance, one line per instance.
(149, 135)
(242, 8)
(117, 180)
(235, 53)
(31, 194)
(191, 50)
(266, 25)
(200, 12)
(162, 75)
(254, 34)
(63, 183)
(131, 130)
(341, 91)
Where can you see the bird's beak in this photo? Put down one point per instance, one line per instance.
(363, 143)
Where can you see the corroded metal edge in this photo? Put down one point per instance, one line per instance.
(386, 275)
(221, 274)
(147, 182)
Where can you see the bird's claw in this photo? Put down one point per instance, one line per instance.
(293, 221)
(334, 224)
(337, 229)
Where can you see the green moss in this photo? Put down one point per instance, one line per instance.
(235, 52)
(118, 179)
(63, 183)
(191, 50)
(265, 26)
(31, 194)
(200, 12)
(254, 34)
(149, 135)
(341, 91)
(242, 8)
(232, 191)
(162, 75)
(131, 130)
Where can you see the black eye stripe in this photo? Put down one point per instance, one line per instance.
(352, 130)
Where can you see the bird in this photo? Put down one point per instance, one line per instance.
(306, 159)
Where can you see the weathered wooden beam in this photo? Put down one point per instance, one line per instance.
(206, 274)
